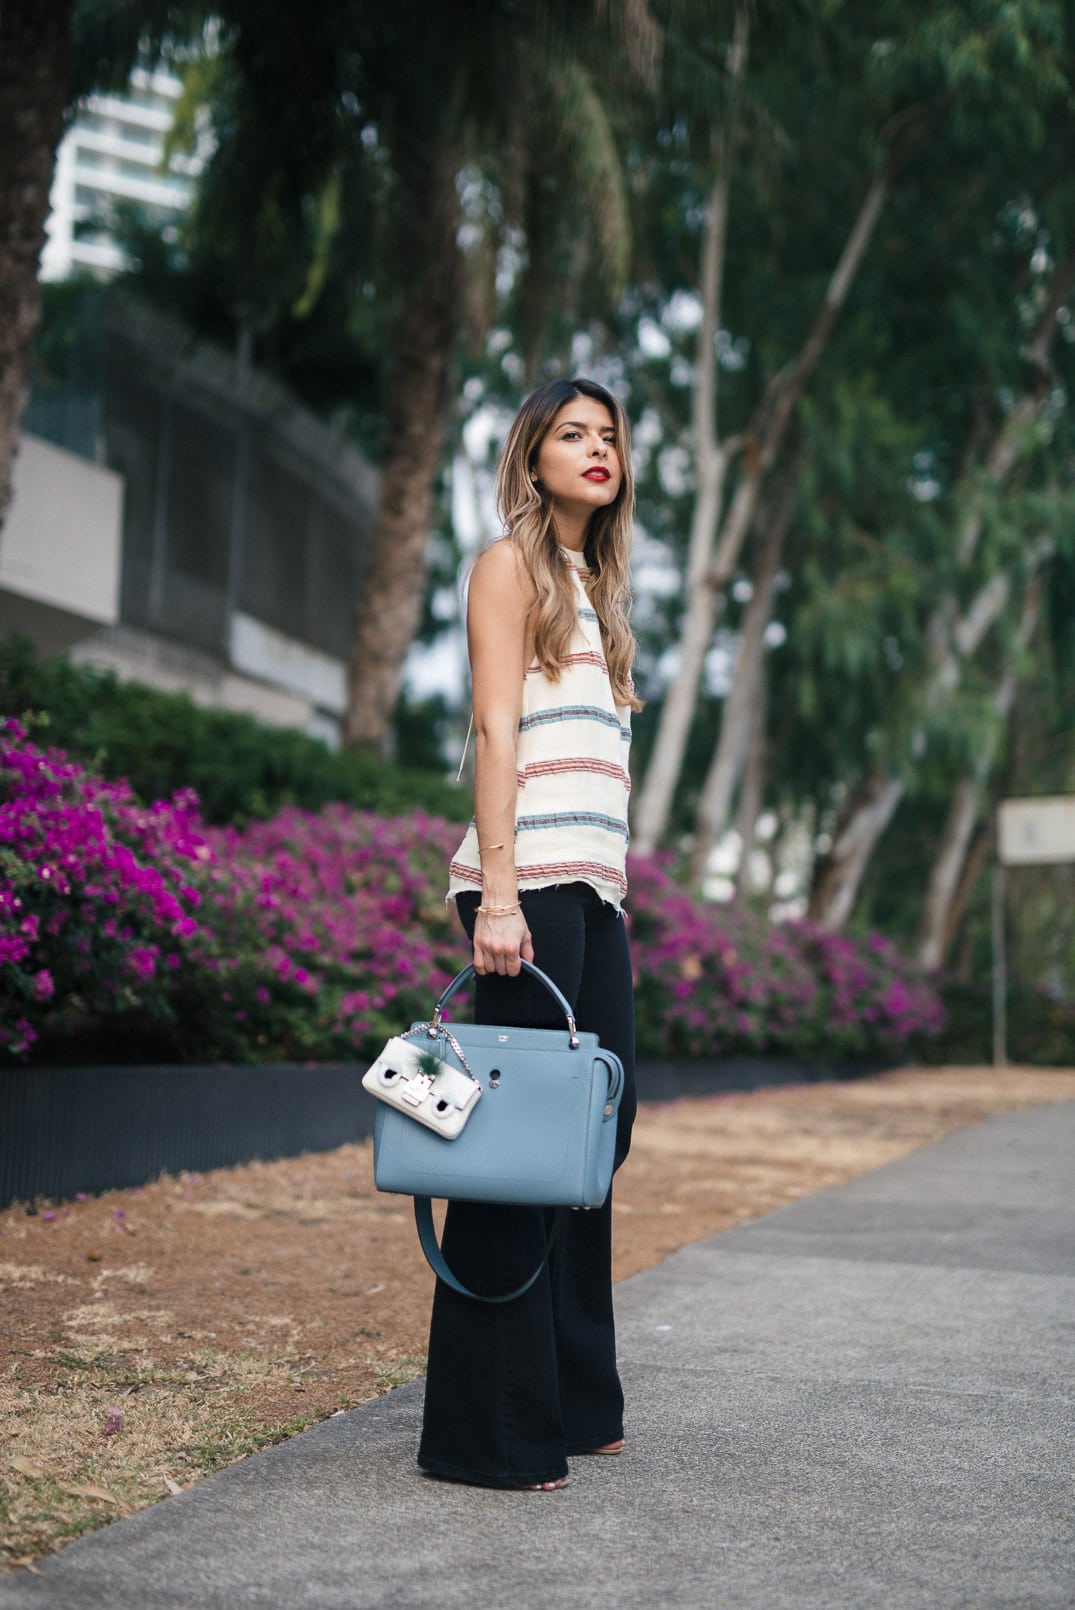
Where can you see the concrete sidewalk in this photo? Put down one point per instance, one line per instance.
(863, 1400)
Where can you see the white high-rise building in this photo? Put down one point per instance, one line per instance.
(113, 154)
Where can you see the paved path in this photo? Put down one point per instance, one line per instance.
(863, 1400)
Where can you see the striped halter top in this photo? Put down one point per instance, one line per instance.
(571, 759)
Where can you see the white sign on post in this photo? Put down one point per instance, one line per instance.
(1030, 832)
(1036, 832)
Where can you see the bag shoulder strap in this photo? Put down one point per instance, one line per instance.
(427, 1234)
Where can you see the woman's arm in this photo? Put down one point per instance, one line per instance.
(498, 614)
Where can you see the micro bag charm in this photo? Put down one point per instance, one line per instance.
(417, 1081)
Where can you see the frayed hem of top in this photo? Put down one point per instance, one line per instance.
(525, 887)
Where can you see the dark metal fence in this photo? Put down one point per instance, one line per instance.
(64, 1130)
(237, 498)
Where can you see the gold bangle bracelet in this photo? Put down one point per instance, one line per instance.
(489, 847)
(500, 911)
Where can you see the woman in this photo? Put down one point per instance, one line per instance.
(513, 1389)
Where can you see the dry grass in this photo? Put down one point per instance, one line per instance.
(109, 1438)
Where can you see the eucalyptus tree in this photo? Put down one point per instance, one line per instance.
(937, 518)
(858, 107)
(858, 570)
(779, 118)
(907, 641)
(992, 387)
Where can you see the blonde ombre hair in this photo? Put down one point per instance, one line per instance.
(527, 516)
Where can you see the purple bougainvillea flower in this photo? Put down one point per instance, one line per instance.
(142, 962)
(320, 933)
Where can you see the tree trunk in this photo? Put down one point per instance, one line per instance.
(840, 873)
(972, 871)
(654, 803)
(946, 875)
(954, 637)
(752, 792)
(1009, 442)
(770, 424)
(740, 707)
(35, 52)
(416, 410)
(947, 869)
(836, 887)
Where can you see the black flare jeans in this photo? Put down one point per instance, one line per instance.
(512, 1389)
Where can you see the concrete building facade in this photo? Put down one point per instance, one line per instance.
(210, 537)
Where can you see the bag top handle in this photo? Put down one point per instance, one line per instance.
(528, 967)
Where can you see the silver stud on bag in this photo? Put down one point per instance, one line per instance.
(416, 1089)
(425, 1086)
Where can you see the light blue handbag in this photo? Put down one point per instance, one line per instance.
(542, 1133)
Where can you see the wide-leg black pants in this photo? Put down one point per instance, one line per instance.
(512, 1389)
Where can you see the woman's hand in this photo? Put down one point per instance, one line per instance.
(501, 944)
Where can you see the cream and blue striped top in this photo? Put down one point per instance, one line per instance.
(573, 785)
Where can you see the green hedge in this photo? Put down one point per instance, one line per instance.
(162, 742)
(1041, 1028)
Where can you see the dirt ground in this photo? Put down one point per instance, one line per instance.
(150, 1336)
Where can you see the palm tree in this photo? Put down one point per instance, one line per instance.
(51, 54)
(384, 154)
(510, 96)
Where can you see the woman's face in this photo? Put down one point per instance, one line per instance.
(578, 463)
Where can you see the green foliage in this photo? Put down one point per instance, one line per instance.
(1001, 62)
(858, 574)
(1040, 1026)
(239, 767)
(340, 132)
(68, 336)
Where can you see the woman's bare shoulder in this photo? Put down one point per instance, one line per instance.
(500, 573)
